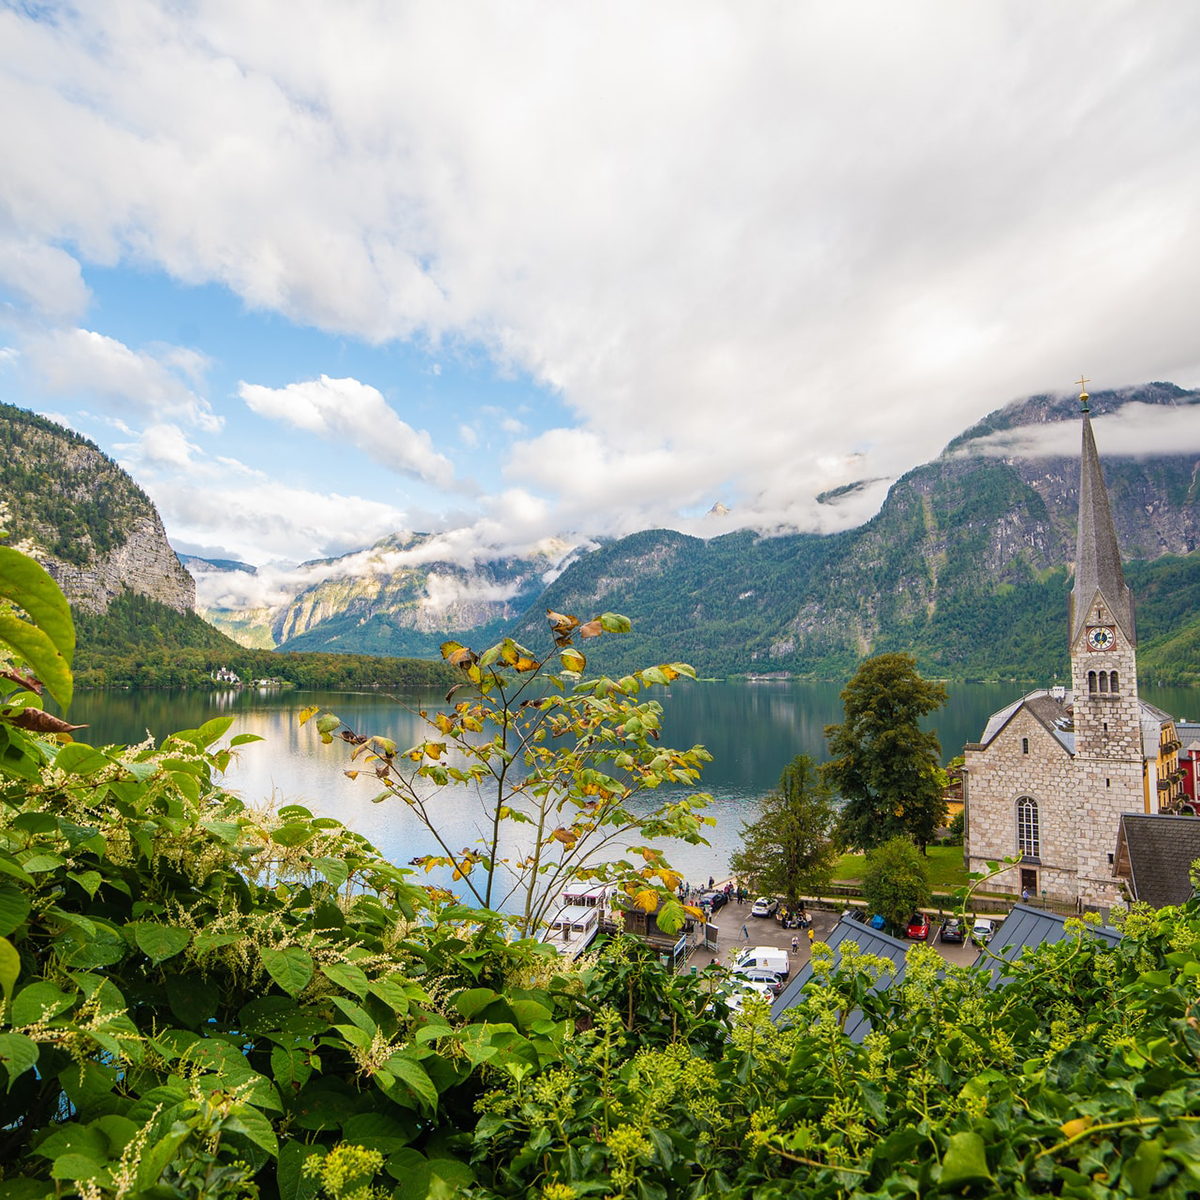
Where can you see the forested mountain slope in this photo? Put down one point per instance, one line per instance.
(967, 563)
(98, 531)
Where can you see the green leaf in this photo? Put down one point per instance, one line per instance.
(10, 968)
(252, 1124)
(18, 1053)
(291, 1068)
(347, 976)
(48, 644)
(335, 870)
(39, 1001)
(965, 1162)
(90, 881)
(78, 758)
(160, 942)
(14, 907)
(415, 1079)
(295, 834)
(192, 1000)
(75, 1166)
(294, 1183)
(291, 968)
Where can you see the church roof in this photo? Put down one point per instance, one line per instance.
(1155, 852)
(1046, 706)
(1097, 556)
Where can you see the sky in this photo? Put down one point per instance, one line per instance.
(315, 274)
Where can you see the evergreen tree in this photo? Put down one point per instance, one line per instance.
(886, 767)
(788, 851)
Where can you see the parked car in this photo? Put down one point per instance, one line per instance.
(776, 961)
(713, 900)
(747, 989)
(952, 930)
(761, 975)
(982, 931)
(918, 927)
(765, 906)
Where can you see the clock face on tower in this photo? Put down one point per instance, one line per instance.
(1101, 637)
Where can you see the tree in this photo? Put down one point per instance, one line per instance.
(556, 762)
(883, 763)
(896, 881)
(788, 850)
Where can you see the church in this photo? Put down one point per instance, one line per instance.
(1052, 774)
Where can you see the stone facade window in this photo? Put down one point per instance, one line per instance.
(1028, 837)
(1024, 745)
(1113, 685)
(1092, 682)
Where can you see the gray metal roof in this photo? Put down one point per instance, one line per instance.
(1026, 927)
(1097, 555)
(1160, 849)
(870, 941)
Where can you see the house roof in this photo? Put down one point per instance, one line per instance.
(1024, 928)
(870, 941)
(1159, 849)
(1188, 733)
(1152, 719)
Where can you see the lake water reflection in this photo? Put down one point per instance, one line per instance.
(752, 730)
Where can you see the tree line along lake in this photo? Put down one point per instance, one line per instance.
(752, 730)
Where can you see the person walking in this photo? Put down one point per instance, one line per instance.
(795, 943)
(810, 939)
(745, 933)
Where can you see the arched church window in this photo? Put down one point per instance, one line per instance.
(1092, 682)
(1113, 685)
(1103, 682)
(1028, 836)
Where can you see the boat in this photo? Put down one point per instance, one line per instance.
(573, 929)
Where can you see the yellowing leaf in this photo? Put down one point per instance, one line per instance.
(1076, 1126)
(307, 714)
(646, 900)
(572, 660)
(434, 750)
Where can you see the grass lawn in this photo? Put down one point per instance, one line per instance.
(946, 870)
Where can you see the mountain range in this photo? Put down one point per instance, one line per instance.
(967, 563)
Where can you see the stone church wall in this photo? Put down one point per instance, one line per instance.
(997, 777)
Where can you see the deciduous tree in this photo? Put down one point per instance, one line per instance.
(896, 881)
(884, 765)
(788, 851)
(556, 762)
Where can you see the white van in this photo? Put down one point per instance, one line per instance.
(764, 956)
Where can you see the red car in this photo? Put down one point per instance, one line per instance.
(918, 927)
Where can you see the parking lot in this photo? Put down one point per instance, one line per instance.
(767, 931)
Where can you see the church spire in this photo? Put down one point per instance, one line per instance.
(1097, 556)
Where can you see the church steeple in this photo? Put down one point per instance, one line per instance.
(1097, 556)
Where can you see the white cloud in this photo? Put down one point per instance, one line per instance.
(45, 276)
(757, 253)
(1134, 431)
(349, 411)
(83, 363)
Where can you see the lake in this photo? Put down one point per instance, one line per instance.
(752, 730)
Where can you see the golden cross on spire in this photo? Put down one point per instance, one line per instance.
(1083, 383)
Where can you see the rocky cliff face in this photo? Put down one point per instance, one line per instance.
(98, 533)
(144, 563)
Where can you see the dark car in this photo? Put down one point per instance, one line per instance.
(918, 927)
(713, 900)
(952, 930)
